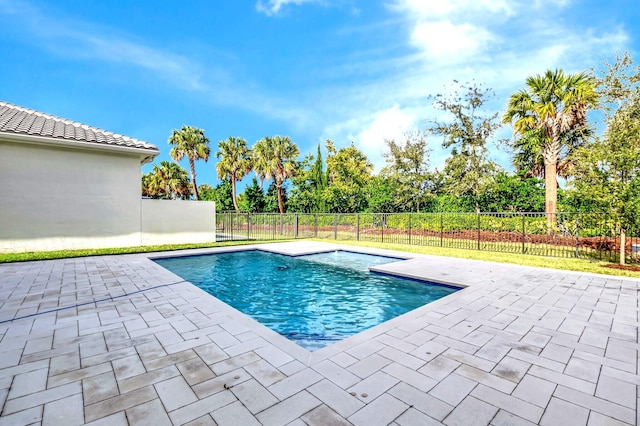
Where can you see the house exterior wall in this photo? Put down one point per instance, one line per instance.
(65, 198)
(178, 222)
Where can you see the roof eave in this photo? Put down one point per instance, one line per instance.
(146, 154)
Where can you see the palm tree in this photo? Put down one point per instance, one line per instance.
(168, 180)
(190, 142)
(260, 154)
(282, 163)
(549, 119)
(235, 162)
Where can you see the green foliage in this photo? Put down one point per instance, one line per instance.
(166, 181)
(319, 181)
(276, 158)
(382, 195)
(254, 197)
(271, 202)
(407, 170)
(608, 171)
(549, 119)
(221, 194)
(349, 171)
(514, 193)
(468, 170)
(190, 142)
(234, 164)
(303, 193)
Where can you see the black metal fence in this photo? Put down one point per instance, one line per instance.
(581, 235)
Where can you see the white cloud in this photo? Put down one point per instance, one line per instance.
(273, 7)
(388, 124)
(446, 42)
(436, 9)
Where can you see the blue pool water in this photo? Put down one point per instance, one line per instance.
(314, 300)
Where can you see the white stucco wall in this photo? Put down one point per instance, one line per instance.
(65, 198)
(178, 222)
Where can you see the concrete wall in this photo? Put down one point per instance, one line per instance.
(178, 222)
(64, 198)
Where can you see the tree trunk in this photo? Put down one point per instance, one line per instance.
(551, 193)
(192, 166)
(623, 243)
(233, 194)
(280, 205)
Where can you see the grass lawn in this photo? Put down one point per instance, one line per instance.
(567, 264)
(62, 254)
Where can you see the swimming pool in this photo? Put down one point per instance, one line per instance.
(314, 300)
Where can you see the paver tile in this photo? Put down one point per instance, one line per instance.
(289, 409)
(507, 419)
(195, 371)
(150, 413)
(596, 404)
(471, 411)
(254, 396)
(100, 387)
(382, 411)
(295, 383)
(175, 393)
(535, 390)
(64, 412)
(322, 416)
(508, 403)
(426, 403)
(27, 383)
(234, 414)
(339, 400)
(201, 407)
(413, 417)
(119, 403)
(560, 412)
(40, 398)
(453, 389)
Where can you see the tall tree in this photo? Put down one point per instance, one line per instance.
(303, 197)
(281, 163)
(468, 170)
(260, 155)
(349, 172)
(608, 171)
(190, 142)
(234, 164)
(408, 168)
(319, 182)
(549, 117)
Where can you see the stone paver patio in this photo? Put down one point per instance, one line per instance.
(118, 339)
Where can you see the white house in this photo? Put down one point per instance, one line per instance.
(66, 185)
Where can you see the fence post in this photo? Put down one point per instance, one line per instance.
(316, 225)
(441, 230)
(478, 230)
(296, 229)
(410, 214)
(335, 226)
(577, 235)
(523, 232)
(248, 226)
(358, 228)
(382, 227)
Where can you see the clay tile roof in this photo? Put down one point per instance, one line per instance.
(18, 120)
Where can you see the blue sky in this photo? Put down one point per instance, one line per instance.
(348, 70)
